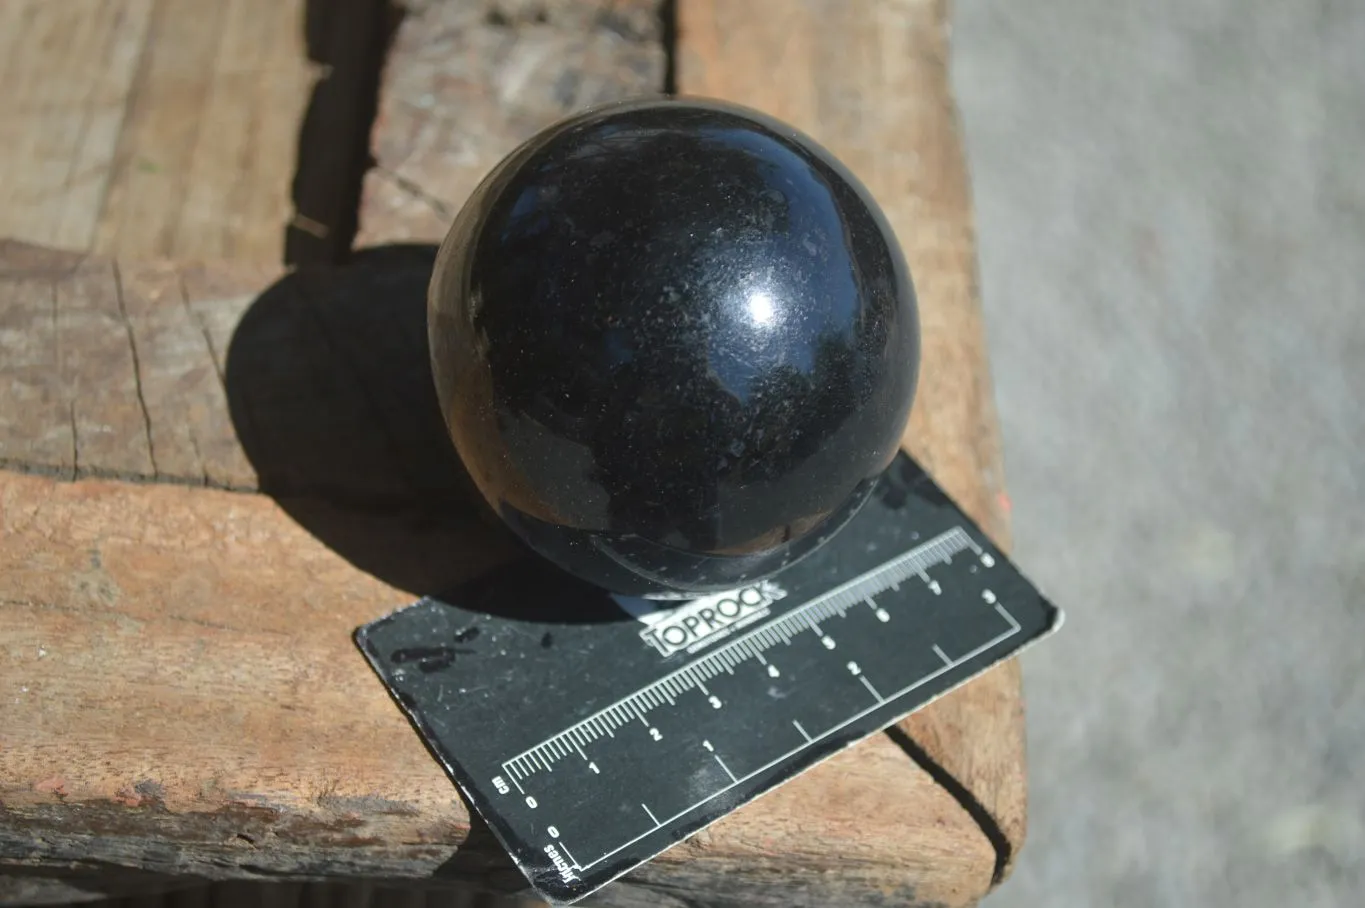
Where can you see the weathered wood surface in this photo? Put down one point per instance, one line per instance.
(466, 82)
(170, 716)
(181, 694)
(151, 127)
(870, 81)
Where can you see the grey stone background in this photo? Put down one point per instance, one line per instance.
(1171, 205)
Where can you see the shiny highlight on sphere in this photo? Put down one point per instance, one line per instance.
(675, 343)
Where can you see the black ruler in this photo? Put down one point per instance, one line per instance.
(593, 732)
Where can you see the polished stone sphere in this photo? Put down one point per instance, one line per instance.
(675, 342)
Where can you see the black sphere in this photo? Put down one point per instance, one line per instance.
(675, 343)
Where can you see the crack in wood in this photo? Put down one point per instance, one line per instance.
(198, 456)
(137, 367)
(29, 468)
(403, 184)
(990, 827)
(198, 322)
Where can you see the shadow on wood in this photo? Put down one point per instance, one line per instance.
(349, 38)
(87, 883)
(330, 392)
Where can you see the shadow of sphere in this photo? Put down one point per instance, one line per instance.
(329, 389)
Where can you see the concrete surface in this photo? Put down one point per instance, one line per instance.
(1171, 205)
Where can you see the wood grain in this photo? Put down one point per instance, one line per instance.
(112, 371)
(178, 691)
(151, 127)
(465, 83)
(870, 81)
(69, 67)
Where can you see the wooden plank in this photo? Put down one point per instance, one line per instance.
(464, 83)
(343, 499)
(870, 81)
(69, 67)
(181, 694)
(208, 148)
(127, 356)
(151, 127)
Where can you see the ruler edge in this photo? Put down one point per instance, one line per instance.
(361, 638)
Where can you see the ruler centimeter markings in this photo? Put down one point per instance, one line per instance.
(862, 590)
(836, 602)
(651, 723)
(1014, 629)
